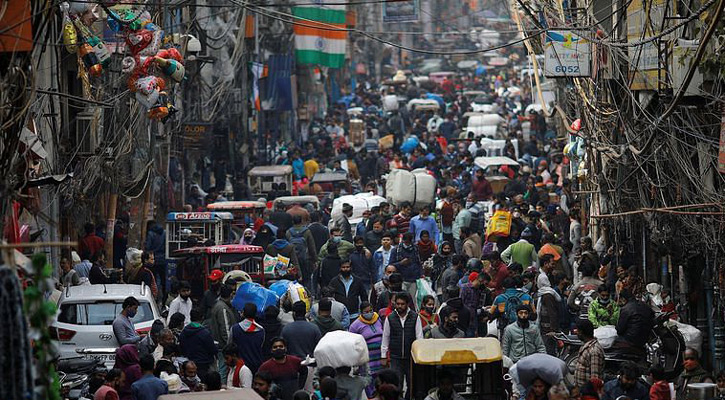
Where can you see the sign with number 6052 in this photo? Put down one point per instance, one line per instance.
(566, 54)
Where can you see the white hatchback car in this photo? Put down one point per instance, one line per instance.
(83, 325)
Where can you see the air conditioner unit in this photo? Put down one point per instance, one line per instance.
(88, 128)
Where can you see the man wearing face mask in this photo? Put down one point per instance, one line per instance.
(348, 289)
(401, 328)
(406, 259)
(344, 247)
(363, 268)
(395, 285)
(522, 338)
(123, 327)
(448, 329)
(693, 373)
(602, 310)
(212, 294)
(182, 303)
(626, 384)
(286, 371)
(374, 237)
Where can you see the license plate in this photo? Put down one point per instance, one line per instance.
(100, 357)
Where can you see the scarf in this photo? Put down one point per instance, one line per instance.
(243, 241)
(236, 381)
(426, 247)
(369, 321)
(544, 288)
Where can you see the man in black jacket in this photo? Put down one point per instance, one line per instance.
(348, 289)
(401, 328)
(635, 322)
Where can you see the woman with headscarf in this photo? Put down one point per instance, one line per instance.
(266, 235)
(442, 260)
(369, 326)
(127, 361)
(547, 309)
(248, 236)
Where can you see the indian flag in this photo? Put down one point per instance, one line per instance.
(320, 36)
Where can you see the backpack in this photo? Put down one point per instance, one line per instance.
(511, 304)
(297, 239)
(584, 299)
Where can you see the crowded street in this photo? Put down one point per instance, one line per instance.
(362, 200)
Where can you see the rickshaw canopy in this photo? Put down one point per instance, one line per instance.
(301, 200)
(271, 170)
(456, 351)
(235, 205)
(329, 177)
(485, 162)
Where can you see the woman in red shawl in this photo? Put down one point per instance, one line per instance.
(127, 361)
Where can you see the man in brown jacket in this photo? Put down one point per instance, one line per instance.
(472, 245)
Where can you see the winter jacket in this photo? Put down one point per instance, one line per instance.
(363, 268)
(329, 268)
(343, 223)
(635, 322)
(156, 242)
(414, 269)
(350, 298)
(309, 239)
(698, 375)
(249, 338)
(521, 252)
(197, 344)
(344, 248)
(519, 342)
(379, 262)
(320, 234)
(339, 313)
(327, 324)
(221, 320)
(373, 240)
(302, 337)
(600, 315)
(472, 246)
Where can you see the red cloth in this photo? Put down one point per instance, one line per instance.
(659, 391)
(403, 223)
(481, 189)
(89, 245)
(105, 393)
(236, 382)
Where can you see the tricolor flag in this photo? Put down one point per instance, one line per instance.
(259, 71)
(320, 35)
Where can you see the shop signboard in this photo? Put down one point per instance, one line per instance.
(401, 11)
(566, 54)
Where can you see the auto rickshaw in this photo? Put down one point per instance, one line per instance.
(262, 178)
(194, 264)
(244, 213)
(476, 364)
(326, 182)
(498, 182)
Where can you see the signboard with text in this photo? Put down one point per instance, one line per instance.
(566, 54)
(194, 133)
(401, 11)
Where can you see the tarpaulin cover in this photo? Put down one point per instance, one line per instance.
(250, 292)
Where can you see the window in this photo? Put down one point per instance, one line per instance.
(100, 313)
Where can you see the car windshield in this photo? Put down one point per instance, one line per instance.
(100, 313)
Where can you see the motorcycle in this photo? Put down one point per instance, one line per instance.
(74, 376)
(665, 347)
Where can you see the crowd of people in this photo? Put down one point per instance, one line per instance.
(404, 272)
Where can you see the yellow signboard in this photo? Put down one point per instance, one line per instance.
(643, 22)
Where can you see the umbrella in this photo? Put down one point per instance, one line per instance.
(544, 366)
(437, 98)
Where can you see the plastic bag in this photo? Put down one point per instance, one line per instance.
(606, 335)
(499, 224)
(692, 335)
(250, 292)
(280, 287)
(341, 349)
(423, 288)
